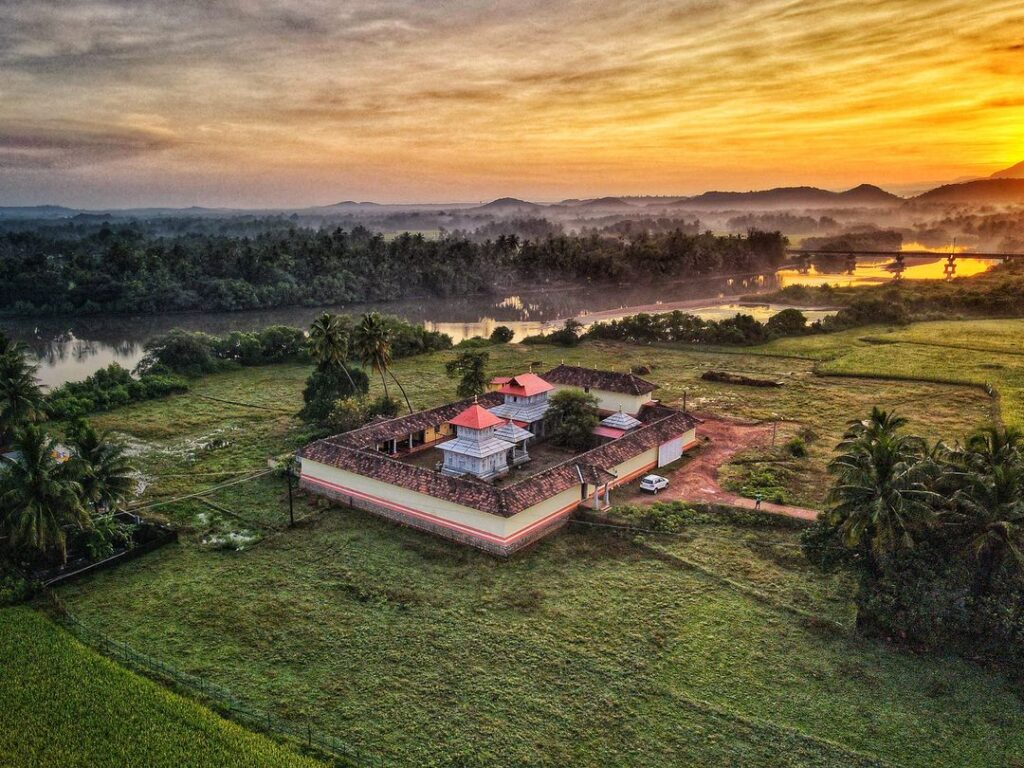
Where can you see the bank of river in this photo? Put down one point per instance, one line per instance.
(69, 349)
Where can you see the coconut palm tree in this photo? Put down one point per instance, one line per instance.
(39, 496)
(882, 496)
(102, 468)
(371, 341)
(329, 343)
(20, 397)
(989, 505)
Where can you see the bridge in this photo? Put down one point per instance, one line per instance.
(804, 256)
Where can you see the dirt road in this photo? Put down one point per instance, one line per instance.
(697, 480)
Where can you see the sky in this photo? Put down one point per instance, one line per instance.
(261, 103)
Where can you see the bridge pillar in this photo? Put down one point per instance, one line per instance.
(898, 267)
(949, 269)
(851, 263)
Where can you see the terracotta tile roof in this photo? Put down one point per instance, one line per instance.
(594, 475)
(339, 451)
(609, 381)
(525, 385)
(475, 417)
(401, 426)
(467, 491)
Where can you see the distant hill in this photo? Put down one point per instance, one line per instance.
(865, 195)
(869, 194)
(36, 212)
(1014, 172)
(346, 205)
(605, 202)
(508, 204)
(985, 191)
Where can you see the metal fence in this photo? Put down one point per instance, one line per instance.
(220, 699)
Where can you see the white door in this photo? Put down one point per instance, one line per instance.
(670, 451)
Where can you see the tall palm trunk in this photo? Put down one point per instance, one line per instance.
(407, 403)
(348, 376)
(387, 395)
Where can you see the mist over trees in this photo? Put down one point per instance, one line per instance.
(134, 267)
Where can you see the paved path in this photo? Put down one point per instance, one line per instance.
(697, 480)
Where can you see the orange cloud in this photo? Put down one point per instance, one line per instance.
(275, 103)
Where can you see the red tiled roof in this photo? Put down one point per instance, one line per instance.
(476, 417)
(663, 424)
(525, 385)
(499, 380)
(608, 381)
(387, 429)
(611, 432)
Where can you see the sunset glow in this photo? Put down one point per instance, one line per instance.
(252, 103)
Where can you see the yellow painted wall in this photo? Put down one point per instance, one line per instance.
(630, 466)
(421, 502)
(612, 401)
(431, 434)
(547, 507)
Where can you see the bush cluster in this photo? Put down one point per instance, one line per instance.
(108, 388)
(194, 353)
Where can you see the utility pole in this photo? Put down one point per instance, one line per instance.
(291, 502)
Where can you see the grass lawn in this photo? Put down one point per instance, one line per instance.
(65, 706)
(713, 648)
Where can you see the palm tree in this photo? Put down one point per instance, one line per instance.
(20, 397)
(101, 467)
(994, 446)
(990, 503)
(371, 341)
(40, 495)
(329, 343)
(882, 495)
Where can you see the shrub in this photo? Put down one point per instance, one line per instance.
(325, 386)
(474, 342)
(383, 406)
(797, 448)
(14, 589)
(763, 482)
(663, 517)
(348, 413)
(502, 334)
(109, 388)
(788, 322)
(183, 352)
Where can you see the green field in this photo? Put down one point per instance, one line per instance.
(65, 706)
(717, 647)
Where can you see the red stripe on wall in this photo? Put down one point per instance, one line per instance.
(441, 521)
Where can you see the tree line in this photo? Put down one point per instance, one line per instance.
(139, 267)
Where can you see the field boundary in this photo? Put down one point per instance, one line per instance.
(988, 388)
(217, 698)
(942, 345)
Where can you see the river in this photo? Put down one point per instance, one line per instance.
(69, 349)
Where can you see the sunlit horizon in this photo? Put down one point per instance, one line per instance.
(257, 104)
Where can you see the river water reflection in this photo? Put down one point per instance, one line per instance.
(69, 349)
